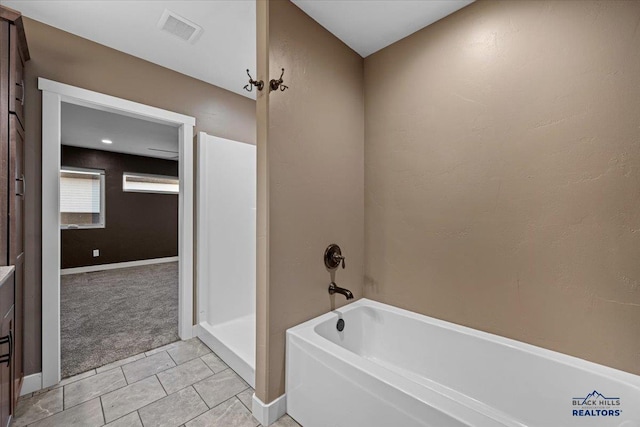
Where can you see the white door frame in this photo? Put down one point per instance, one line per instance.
(53, 94)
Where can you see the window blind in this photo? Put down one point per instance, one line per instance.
(80, 192)
(142, 183)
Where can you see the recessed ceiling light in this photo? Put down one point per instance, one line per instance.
(107, 141)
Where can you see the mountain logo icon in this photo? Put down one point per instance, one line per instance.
(595, 394)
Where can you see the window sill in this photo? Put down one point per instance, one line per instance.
(80, 227)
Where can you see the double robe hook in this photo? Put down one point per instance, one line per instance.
(273, 84)
(252, 83)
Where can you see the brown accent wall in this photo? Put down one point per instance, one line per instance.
(138, 226)
(503, 174)
(310, 179)
(66, 58)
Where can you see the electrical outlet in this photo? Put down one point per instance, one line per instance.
(96, 252)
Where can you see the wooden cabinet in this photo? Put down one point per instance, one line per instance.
(13, 56)
(7, 334)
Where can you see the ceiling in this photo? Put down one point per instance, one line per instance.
(227, 45)
(220, 55)
(367, 26)
(87, 127)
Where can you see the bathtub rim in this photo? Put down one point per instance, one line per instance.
(307, 331)
(466, 409)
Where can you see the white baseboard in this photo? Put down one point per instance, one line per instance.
(268, 414)
(31, 383)
(102, 267)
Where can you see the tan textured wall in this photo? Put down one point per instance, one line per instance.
(315, 172)
(262, 205)
(503, 174)
(63, 57)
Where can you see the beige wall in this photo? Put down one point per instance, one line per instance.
(63, 57)
(262, 203)
(503, 174)
(312, 161)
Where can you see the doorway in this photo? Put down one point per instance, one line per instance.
(54, 94)
(119, 192)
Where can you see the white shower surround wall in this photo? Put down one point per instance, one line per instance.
(227, 251)
(394, 367)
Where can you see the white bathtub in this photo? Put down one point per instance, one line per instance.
(393, 368)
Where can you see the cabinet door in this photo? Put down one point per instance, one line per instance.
(4, 142)
(16, 242)
(16, 76)
(6, 383)
(6, 325)
(17, 189)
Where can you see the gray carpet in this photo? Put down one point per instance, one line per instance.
(110, 315)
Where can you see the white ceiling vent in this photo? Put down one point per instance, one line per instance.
(179, 26)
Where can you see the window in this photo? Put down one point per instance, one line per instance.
(81, 198)
(143, 183)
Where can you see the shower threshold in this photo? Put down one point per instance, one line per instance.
(235, 342)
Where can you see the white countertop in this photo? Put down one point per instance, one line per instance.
(5, 271)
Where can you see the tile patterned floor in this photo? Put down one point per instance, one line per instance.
(182, 384)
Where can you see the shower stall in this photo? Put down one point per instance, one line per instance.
(226, 261)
